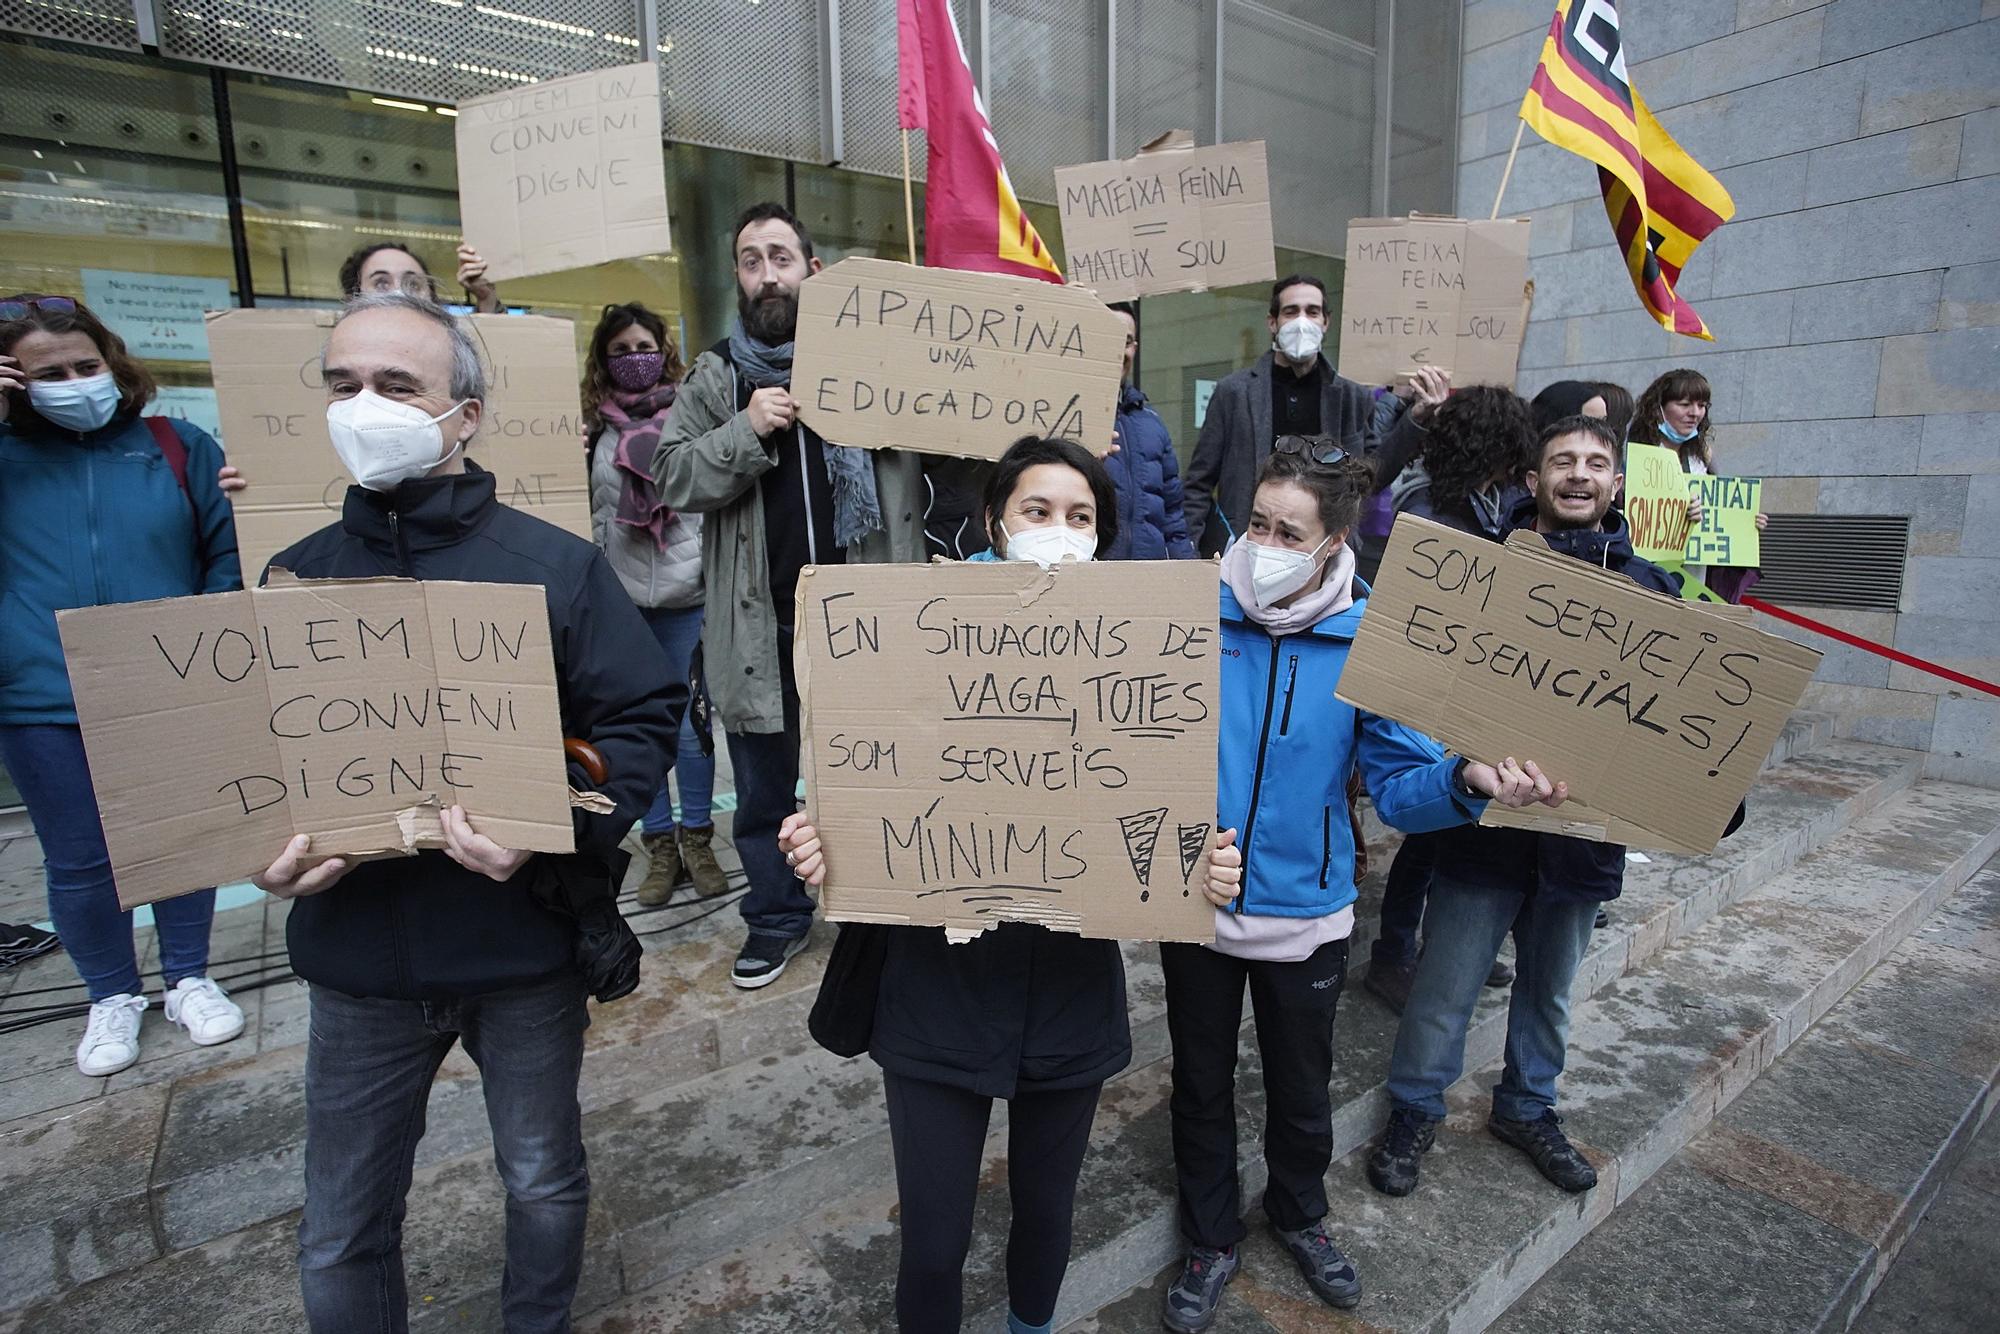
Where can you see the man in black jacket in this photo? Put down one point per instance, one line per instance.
(1290, 390)
(1545, 888)
(489, 945)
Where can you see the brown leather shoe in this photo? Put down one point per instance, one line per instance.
(663, 870)
(699, 857)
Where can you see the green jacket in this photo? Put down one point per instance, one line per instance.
(709, 462)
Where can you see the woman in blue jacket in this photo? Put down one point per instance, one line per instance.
(94, 511)
(1151, 524)
(1290, 609)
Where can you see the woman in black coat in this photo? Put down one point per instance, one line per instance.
(1034, 1016)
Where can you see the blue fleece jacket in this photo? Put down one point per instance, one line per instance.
(91, 519)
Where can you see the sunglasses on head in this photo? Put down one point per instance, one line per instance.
(18, 309)
(1323, 449)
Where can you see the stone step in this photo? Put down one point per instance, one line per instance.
(1789, 1209)
(1653, 1058)
(692, 1160)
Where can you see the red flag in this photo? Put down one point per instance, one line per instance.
(972, 217)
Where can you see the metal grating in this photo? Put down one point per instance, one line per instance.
(1835, 560)
(746, 76)
(1046, 59)
(1310, 94)
(1166, 75)
(92, 22)
(437, 50)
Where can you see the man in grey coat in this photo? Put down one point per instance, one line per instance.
(777, 498)
(1290, 390)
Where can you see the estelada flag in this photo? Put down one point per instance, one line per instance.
(972, 217)
(1661, 202)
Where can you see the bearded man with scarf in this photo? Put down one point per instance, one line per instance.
(776, 498)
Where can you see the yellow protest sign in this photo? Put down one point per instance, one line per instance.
(1656, 503)
(1727, 533)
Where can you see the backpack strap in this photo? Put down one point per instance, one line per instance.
(175, 449)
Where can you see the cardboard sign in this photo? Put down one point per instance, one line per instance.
(1656, 503)
(1424, 291)
(1176, 218)
(987, 742)
(565, 173)
(352, 710)
(273, 409)
(891, 356)
(159, 315)
(1657, 714)
(1727, 533)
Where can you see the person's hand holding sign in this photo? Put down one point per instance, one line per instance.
(476, 852)
(772, 409)
(1225, 870)
(1512, 784)
(799, 841)
(286, 877)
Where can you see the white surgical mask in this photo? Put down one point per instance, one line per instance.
(1047, 546)
(383, 443)
(81, 405)
(1300, 339)
(1279, 572)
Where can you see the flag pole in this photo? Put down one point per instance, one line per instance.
(909, 206)
(1519, 129)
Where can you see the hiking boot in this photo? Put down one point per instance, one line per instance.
(1197, 1294)
(1328, 1272)
(1501, 974)
(1548, 1148)
(1391, 982)
(763, 958)
(663, 868)
(1392, 1168)
(698, 856)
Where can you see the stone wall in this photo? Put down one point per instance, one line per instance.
(1855, 297)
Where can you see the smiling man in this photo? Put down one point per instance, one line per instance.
(1543, 888)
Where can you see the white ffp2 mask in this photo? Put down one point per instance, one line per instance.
(1278, 572)
(1047, 546)
(383, 443)
(1300, 339)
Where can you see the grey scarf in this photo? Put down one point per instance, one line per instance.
(857, 511)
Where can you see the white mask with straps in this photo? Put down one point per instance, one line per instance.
(1049, 545)
(1279, 572)
(383, 443)
(1300, 338)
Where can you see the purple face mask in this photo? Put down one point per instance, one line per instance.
(636, 372)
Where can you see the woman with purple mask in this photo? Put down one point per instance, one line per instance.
(629, 381)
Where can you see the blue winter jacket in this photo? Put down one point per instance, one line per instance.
(92, 519)
(1151, 525)
(1287, 747)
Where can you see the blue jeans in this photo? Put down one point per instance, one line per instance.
(47, 763)
(369, 1066)
(766, 765)
(1463, 930)
(679, 630)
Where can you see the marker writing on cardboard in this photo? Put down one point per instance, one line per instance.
(931, 850)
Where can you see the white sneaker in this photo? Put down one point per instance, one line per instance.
(204, 1010)
(111, 1039)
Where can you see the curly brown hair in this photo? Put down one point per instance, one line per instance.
(597, 384)
(135, 383)
(1339, 488)
(1673, 387)
(1481, 432)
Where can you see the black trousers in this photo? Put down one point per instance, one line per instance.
(1403, 898)
(1294, 1005)
(939, 1134)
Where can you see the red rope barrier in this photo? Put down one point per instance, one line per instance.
(1869, 645)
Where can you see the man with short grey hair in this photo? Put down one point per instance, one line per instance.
(476, 942)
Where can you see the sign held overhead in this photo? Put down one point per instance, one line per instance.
(891, 356)
(352, 710)
(565, 173)
(986, 743)
(273, 411)
(1656, 713)
(1175, 218)
(1426, 291)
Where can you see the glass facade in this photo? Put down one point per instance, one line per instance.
(113, 175)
